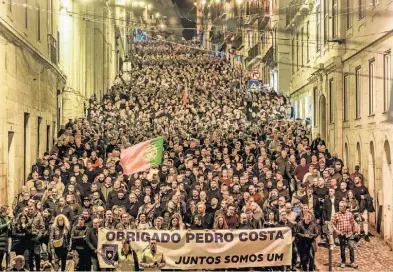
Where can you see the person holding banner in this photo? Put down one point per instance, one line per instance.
(126, 259)
(152, 259)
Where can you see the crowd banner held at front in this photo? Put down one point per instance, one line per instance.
(204, 249)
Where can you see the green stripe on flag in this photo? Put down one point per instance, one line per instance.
(155, 151)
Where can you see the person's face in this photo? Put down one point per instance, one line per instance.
(96, 223)
(81, 222)
(283, 216)
(332, 192)
(309, 192)
(132, 198)
(69, 199)
(271, 216)
(343, 186)
(60, 221)
(109, 214)
(201, 209)
(342, 207)
(357, 180)
(350, 194)
(153, 245)
(125, 219)
(19, 263)
(231, 211)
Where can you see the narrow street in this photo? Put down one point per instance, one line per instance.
(370, 256)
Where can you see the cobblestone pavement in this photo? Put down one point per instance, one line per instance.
(369, 256)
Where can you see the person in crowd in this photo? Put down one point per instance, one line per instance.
(152, 259)
(79, 233)
(126, 259)
(344, 225)
(19, 264)
(92, 243)
(33, 252)
(5, 222)
(306, 232)
(59, 240)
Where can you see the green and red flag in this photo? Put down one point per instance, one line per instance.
(142, 156)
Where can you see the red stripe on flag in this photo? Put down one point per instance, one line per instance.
(131, 158)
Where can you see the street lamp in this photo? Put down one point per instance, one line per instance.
(157, 14)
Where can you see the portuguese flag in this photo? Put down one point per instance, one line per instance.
(142, 156)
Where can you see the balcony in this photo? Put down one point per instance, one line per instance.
(297, 10)
(52, 49)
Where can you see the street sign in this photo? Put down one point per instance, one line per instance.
(253, 86)
(254, 75)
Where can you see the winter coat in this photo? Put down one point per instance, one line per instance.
(4, 228)
(78, 237)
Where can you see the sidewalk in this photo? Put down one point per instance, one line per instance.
(369, 256)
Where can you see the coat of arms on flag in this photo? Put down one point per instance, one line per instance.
(142, 156)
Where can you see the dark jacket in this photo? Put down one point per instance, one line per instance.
(327, 207)
(4, 228)
(20, 236)
(92, 240)
(316, 206)
(67, 212)
(367, 204)
(78, 237)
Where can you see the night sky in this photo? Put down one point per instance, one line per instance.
(187, 10)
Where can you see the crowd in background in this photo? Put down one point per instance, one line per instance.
(231, 160)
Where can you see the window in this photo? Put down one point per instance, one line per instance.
(358, 91)
(361, 8)
(387, 79)
(10, 5)
(38, 23)
(297, 51)
(39, 121)
(345, 97)
(334, 18)
(349, 14)
(315, 97)
(58, 47)
(308, 42)
(25, 141)
(331, 101)
(302, 45)
(326, 21)
(300, 108)
(26, 24)
(318, 14)
(293, 55)
(371, 74)
(47, 137)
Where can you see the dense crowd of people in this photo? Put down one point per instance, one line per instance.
(232, 160)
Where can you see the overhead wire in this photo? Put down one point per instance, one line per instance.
(92, 18)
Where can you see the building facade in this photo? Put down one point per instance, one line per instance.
(341, 79)
(333, 59)
(56, 54)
